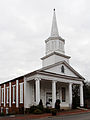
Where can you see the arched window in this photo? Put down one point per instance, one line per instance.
(62, 69)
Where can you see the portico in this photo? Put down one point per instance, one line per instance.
(45, 83)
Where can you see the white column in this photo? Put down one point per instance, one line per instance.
(4, 94)
(53, 93)
(9, 94)
(37, 83)
(17, 93)
(81, 96)
(70, 95)
(0, 95)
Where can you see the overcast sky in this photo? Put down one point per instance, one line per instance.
(24, 26)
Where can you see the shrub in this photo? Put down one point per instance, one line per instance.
(27, 111)
(32, 109)
(57, 104)
(2, 114)
(54, 112)
(47, 110)
(37, 111)
(40, 107)
(21, 110)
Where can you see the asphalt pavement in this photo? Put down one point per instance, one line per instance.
(82, 116)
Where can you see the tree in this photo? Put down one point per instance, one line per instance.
(75, 96)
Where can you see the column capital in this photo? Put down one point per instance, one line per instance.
(37, 78)
(54, 81)
(82, 84)
(70, 83)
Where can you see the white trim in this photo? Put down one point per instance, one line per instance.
(37, 83)
(0, 95)
(81, 96)
(21, 92)
(53, 93)
(17, 93)
(9, 94)
(70, 95)
(4, 94)
(7, 90)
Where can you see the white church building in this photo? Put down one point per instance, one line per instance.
(56, 77)
(53, 81)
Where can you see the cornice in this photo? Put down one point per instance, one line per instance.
(55, 38)
(56, 53)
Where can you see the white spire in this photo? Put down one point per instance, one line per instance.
(54, 29)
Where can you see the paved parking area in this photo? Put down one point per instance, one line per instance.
(65, 115)
(83, 116)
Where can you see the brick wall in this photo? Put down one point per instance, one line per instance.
(13, 105)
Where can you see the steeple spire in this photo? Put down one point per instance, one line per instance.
(54, 29)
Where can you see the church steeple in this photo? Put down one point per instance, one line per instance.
(54, 43)
(54, 29)
(54, 46)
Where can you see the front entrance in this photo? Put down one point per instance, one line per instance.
(49, 99)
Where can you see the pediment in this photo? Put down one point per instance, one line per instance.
(68, 70)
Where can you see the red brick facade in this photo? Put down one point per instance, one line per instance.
(5, 106)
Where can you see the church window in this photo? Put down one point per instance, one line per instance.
(2, 94)
(62, 69)
(1, 109)
(63, 94)
(21, 92)
(6, 110)
(13, 93)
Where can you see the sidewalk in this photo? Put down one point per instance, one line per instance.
(31, 116)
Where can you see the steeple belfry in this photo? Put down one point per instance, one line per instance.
(54, 29)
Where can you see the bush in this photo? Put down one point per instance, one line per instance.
(47, 110)
(40, 107)
(2, 114)
(37, 111)
(21, 110)
(54, 112)
(27, 111)
(32, 109)
(57, 105)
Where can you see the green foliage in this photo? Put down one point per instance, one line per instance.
(32, 109)
(47, 110)
(37, 111)
(86, 91)
(76, 96)
(2, 114)
(21, 110)
(57, 105)
(54, 112)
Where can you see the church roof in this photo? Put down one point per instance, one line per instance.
(65, 63)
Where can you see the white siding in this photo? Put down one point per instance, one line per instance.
(16, 93)
(7, 94)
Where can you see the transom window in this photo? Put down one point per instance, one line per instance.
(62, 69)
